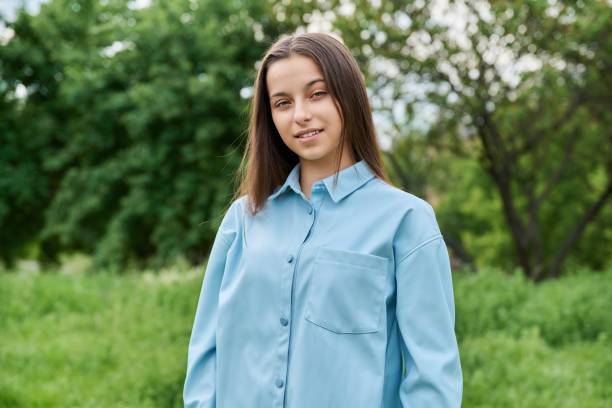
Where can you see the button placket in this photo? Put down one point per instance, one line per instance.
(292, 260)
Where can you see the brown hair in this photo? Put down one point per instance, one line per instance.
(267, 161)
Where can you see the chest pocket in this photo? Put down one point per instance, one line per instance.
(347, 291)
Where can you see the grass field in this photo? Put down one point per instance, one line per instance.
(102, 340)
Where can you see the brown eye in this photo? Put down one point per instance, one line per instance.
(281, 104)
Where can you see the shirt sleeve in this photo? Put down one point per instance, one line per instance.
(426, 318)
(199, 390)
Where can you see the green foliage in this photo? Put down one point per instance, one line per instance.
(132, 126)
(22, 189)
(470, 208)
(516, 88)
(483, 305)
(131, 129)
(71, 339)
(574, 309)
(503, 371)
(97, 340)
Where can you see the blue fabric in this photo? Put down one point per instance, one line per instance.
(343, 300)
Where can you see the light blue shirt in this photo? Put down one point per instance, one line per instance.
(343, 300)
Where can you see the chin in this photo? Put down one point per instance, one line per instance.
(310, 155)
(313, 157)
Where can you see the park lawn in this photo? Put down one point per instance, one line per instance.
(106, 340)
(94, 341)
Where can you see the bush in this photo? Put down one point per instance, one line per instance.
(575, 308)
(503, 371)
(488, 301)
(98, 340)
(121, 340)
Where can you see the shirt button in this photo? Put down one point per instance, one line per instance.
(309, 210)
(290, 258)
(279, 383)
(284, 321)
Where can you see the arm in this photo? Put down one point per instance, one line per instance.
(426, 318)
(200, 382)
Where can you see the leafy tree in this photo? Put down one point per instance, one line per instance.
(132, 122)
(519, 87)
(30, 73)
(139, 118)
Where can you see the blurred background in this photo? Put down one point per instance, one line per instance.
(122, 125)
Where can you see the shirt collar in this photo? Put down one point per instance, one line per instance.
(349, 180)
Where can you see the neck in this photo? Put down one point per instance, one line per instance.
(312, 171)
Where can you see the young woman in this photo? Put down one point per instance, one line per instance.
(326, 287)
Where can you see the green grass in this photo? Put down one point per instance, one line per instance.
(107, 340)
(94, 341)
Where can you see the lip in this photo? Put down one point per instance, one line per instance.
(301, 132)
(310, 138)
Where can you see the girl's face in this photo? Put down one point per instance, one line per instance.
(299, 101)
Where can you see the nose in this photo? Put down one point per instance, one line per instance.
(301, 114)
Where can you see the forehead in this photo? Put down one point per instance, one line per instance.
(291, 74)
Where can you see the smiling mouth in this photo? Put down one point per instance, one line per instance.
(310, 134)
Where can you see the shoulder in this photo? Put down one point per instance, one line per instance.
(398, 196)
(233, 220)
(238, 205)
(414, 218)
(403, 204)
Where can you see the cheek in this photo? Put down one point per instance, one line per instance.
(283, 126)
(279, 122)
(331, 114)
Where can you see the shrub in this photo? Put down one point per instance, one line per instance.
(572, 309)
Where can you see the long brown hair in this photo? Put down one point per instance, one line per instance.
(267, 161)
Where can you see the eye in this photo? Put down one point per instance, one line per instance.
(320, 93)
(281, 104)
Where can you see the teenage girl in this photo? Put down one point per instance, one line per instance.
(326, 287)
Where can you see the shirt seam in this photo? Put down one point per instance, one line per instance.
(419, 246)
(225, 240)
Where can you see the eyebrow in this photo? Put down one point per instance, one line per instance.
(310, 83)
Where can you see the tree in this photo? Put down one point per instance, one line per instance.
(520, 87)
(140, 124)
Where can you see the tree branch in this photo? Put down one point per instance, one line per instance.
(537, 137)
(556, 176)
(566, 247)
